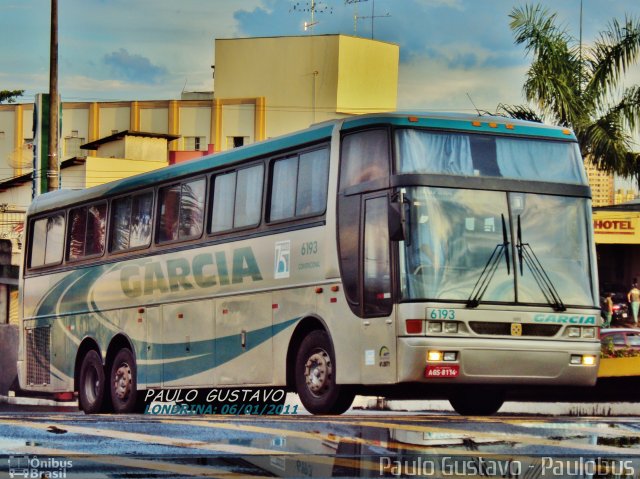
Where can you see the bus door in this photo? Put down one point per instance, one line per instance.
(378, 325)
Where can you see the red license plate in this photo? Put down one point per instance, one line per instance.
(442, 371)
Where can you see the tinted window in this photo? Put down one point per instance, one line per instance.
(377, 267)
(181, 210)
(364, 157)
(131, 222)
(87, 231)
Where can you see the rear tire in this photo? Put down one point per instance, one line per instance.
(477, 401)
(123, 383)
(91, 387)
(315, 377)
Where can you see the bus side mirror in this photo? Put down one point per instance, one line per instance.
(397, 218)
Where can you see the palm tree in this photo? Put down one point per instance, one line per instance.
(580, 87)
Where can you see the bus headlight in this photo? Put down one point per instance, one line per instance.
(434, 327)
(450, 327)
(573, 332)
(589, 333)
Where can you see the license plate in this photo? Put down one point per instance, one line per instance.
(442, 371)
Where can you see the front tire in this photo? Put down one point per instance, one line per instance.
(123, 383)
(478, 401)
(91, 387)
(315, 377)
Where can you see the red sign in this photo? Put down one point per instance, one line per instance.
(442, 371)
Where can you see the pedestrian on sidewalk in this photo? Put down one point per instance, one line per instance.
(634, 298)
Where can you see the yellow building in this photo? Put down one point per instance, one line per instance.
(302, 80)
(601, 183)
(617, 236)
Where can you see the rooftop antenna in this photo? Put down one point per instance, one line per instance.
(373, 16)
(311, 7)
(355, 13)
(474, 105)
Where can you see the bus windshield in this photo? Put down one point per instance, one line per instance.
(423, 151)
(453, 233)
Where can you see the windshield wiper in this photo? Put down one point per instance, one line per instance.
(527, 256)
(490, 269)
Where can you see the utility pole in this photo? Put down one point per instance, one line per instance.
(54, 107)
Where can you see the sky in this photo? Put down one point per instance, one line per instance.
(455, 55)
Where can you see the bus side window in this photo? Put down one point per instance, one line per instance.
(299, 185)
(192, 209)
(181, 211)
(77, 229)
(169, 201)
(87, 230)
(237, 199)
(224, 191)
(131, 221)
(47, 241)
(313, 178)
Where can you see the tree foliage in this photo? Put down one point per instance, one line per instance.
(581, 87)
(10, 96)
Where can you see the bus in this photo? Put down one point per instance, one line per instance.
(402, 255)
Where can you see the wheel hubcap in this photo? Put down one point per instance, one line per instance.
(122, 382)
(318, 371)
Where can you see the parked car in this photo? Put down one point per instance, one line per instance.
(620, 338)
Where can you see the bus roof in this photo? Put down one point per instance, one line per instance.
(317, 132)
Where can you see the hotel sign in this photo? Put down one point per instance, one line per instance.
(616, 227)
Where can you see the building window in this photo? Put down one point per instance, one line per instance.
(195, 143)
(236, 141)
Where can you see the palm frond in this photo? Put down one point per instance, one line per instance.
(519, 112)
(607, 143)
(614, 51)
(629, 107)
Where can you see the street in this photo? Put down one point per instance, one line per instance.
(361, 443)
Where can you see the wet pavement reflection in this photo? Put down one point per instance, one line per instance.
(354, 445)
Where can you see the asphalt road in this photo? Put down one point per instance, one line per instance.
(66, 443)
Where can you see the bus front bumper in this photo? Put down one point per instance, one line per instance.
(497, 361)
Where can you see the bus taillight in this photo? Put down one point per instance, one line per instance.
(414, 326)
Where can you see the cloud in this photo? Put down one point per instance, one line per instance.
(133, 67)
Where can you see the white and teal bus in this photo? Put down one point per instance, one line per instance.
(400, 255)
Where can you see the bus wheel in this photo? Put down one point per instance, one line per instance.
(92, 386)
(123, 384)
(315, 378)
(478, 401)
